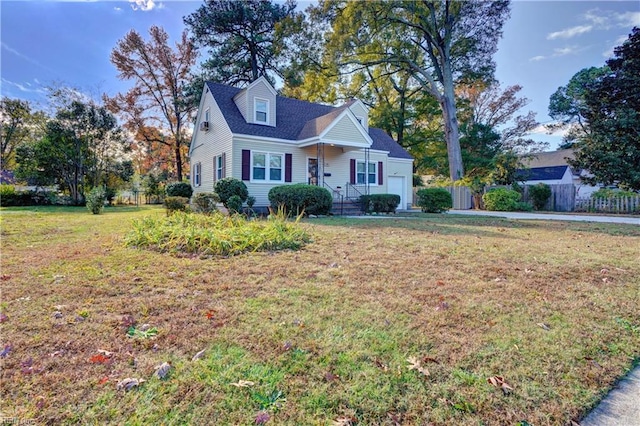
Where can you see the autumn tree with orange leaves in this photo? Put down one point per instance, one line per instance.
(154, 109)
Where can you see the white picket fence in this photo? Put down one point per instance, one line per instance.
(609, 205)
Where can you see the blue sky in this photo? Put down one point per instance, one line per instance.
(544, 43)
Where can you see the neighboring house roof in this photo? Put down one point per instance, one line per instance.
(295, 120)
(542, 173)
(549, 159)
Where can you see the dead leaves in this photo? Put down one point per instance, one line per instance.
(243, 384)
(162, 370)
(416, 364)
(129, 383)
(501, 383)
(198, 355)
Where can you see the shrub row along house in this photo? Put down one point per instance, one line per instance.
(266, 140)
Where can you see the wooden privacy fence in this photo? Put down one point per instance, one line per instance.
(461, 196)
(609, 205)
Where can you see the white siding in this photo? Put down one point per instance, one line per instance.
(359, 111)
(262, 91)
(345, 130)
(207, 144)
(260, 190)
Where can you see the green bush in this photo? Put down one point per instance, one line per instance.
(178, 189)
(434, 200)
(251, 201)
(216, 234)
(175, 204)
(10, 197)
(298, 198)
(539, 195)
(205, 202)
(228, 187)
(380, 203)
(501, 199)
(95, 200)
(234, 204)
(521, 206)
(606, 193)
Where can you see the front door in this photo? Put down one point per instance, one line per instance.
(312, 175)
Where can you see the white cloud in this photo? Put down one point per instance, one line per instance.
(23, 56)
(117, 9)
(597, 17)
(26, 87)
(537, 58)
(570, 32)
(145, 5)
(563, 51)
(628, 19)
(552, 129)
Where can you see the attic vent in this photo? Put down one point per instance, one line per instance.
(204, 125)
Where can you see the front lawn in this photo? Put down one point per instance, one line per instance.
(436, 319)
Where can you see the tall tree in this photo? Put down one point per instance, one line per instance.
(568, 105)
(611, 150)
(18, 124)
(245, 39)
(155, 109)
(74, 151)
(439, 42)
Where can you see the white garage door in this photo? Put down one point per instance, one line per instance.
(397, 185)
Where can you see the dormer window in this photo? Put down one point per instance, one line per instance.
(261, 111)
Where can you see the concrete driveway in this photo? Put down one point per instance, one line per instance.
(551, 216)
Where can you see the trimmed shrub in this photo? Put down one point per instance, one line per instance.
(298, 198)
(380, 203)
(434, 200)
(228, 187)
(522, 206)
(251, 201)
(205, 202)
(234, 204)
(501, 199)
(539, 195)
(176, 204)
(178, 189)
(95, 200)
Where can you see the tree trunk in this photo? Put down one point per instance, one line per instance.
(452, 135)
(178, 162)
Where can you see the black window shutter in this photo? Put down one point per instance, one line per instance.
(246, 167)
(352, 173)
(287, 167)
(215, 169)
(380, 172)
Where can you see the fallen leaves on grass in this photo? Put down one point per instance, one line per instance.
(5, 352)
(99, 359)
(162, 370)
(243, 384)
(345, 421)
(211, 314)
(144, 332)
(198, 355)
(262, 417)
(3, 317)
(416, 364)
(499, 382)
(544, 326)
(129, 383)
(330, 377)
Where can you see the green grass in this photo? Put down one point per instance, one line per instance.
(323, 332)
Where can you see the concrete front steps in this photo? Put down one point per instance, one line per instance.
(346, 208)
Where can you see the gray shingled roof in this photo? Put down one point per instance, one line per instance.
(541, 173)
(295, 120)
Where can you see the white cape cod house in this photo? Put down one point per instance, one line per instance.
(267, 140)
